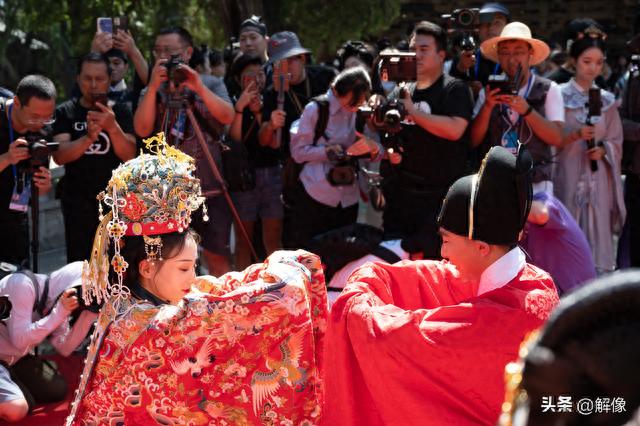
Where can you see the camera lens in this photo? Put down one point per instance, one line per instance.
(465, 18)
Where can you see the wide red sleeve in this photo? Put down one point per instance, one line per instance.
(409, 344)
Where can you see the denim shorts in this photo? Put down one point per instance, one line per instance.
(9, 391)
(215, 233)
(264, 200)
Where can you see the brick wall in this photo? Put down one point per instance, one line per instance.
(547, 19)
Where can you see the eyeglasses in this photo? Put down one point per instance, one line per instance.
(38, 121)
(165, 51)
(517, 54)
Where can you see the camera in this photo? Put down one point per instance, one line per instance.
(174, 72)
(462, 20)
(502, 82)
(386, 117)
(40, 152)
(398, 67)
(462, 25)
(344, 170)
(94, 306)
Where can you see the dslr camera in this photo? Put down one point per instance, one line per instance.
(174, 72)
(462, 26)
(40, 151)
(387, 117)
(345, 169)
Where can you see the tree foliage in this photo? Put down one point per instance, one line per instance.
(65, 27)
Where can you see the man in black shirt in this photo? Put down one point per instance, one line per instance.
(94, 139)
(306, 82)
(30, 111)
(434, 142)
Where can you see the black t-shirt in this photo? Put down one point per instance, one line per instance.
(7, 180)
(317, 82)
(259, 156)
(430, 162)
(89, 174)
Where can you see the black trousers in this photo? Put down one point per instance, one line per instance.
(411, 215)
(14, 228)
(39, 380)
(630, 238)
(80, 223)
(310, 218)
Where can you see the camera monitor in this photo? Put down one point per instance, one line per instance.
(398, 67)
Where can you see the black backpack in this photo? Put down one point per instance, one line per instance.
(291, 172)
(40, 301)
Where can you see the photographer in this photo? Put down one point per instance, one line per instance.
(30, 112)
(37, 312)
(322, 201)
(305, 82)
(121, 48)
(630, 113)
(529, 111)
(94, 139)
(471, 65)
(262, 201)
(212, 108)
(433, 142)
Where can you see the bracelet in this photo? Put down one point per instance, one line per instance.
(528, 111)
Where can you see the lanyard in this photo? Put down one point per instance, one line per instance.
(525, 95)
(13, 166)
(476, 68)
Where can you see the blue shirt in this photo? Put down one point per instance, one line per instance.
(340, 130)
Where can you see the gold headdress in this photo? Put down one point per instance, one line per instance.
(150, 195)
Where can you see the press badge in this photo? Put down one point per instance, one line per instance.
(510, 141)
(20, 200)
(178, 128)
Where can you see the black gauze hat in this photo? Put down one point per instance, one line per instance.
(493, 205)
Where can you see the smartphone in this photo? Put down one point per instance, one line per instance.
(105, 25)
(99, 97)
(120, 23)
(247, 79)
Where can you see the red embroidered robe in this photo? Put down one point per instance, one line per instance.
(411, 344)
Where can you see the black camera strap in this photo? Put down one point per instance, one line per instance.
(323, 118)
(41, 300)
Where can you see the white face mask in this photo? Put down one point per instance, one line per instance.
(388, 86)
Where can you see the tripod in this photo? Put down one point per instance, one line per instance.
(35, 226)
(185, 103)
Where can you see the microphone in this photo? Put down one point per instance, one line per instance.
(594, 106)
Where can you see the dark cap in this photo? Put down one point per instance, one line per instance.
(283, 45)
(116, 53)
(489, 9)
(493, 205)
(254, 24)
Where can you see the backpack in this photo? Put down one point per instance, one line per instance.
(291, 171)
(40, 301)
